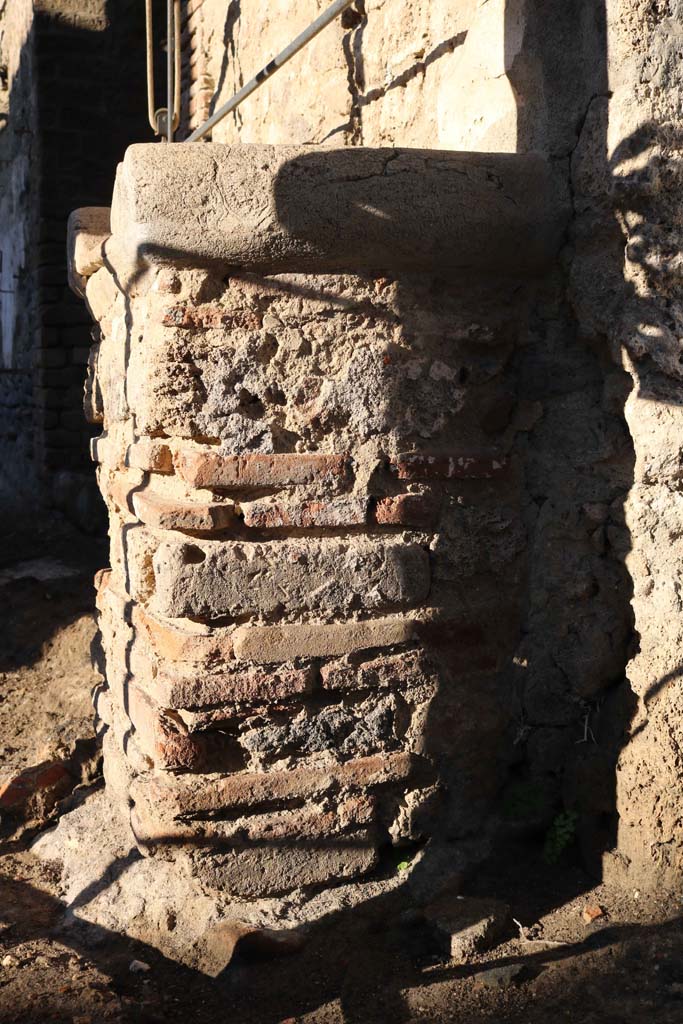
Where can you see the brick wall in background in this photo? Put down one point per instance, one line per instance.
(75, 101)
(18, 230)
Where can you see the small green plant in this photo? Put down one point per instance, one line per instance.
(559, 836)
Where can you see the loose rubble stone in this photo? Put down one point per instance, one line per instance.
(138, 967)
(466, 926)
(499, 977)
(44, 783)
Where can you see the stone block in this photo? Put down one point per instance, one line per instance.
(274, 868)
(311, 575)
(87, 231)
(465, 927)
(314, 640)
(304, 209)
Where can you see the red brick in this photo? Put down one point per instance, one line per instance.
(164, 513)
(337, 512)
(172, 644)
(119, 489)
(232, 472)
(249, 685)
(318, 640)
(101, 580)
(189, 795)
(419, 510)
(449, 467)
(308, 822)
(46, 782)
(162, 737)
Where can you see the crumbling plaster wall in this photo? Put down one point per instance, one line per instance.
(486, 75)
(626, 288)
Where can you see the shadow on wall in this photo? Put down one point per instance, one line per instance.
(576, 703)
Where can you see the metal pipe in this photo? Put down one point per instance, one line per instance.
(176, 50)
(170, 67)
(301, 40)
(151, 110)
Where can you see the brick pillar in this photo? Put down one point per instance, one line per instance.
(315, 524)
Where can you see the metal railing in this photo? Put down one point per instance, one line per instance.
(165, 120)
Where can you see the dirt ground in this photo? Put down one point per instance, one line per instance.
(369, 966)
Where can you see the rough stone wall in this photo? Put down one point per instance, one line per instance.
(478, 75)
(373, 78)
(626, 289)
